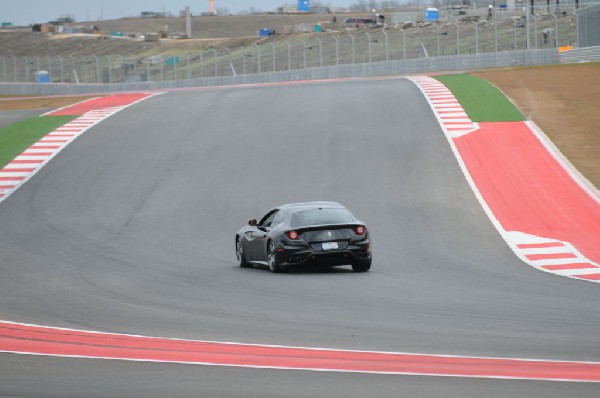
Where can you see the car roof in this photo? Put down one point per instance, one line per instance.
(310, 205)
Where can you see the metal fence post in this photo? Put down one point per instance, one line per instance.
(528, 39)
(273, 54)
(495, 36)
(352, 48)
(49, 68)
(289, 51)
(437, 39)
(258, 57)
(403, 44)
(189, 70)
(108, 69)
(337, 50)
(97, 69)
(175, 62)
(320, 52)
(243, 60)
(201, 64)
(369, 45)
(215, 59)
(149, 70)
(230, 61)
(476, 37)
(555, 30)
(535, 31)
(15, 75)
(387, 52)
(457, 38)
(303, 54)
(26, 69)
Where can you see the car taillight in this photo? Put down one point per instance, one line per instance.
(293, 235)
(360, 230)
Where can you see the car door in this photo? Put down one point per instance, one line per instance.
(261, 236)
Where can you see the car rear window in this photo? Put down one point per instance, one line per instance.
(321, 216)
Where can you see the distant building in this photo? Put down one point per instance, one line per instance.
(152, 14)
(62, 20)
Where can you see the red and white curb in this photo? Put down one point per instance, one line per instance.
(19, 338)
(543, 253)
(28, 163)
(450, 114)
(553, 256)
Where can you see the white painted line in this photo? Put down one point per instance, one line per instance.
(577, 272)
(546, 250)
(13, 174)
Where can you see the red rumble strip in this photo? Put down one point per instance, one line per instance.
(109, 101)
(39, 340)
(529, 191)
(546, 213)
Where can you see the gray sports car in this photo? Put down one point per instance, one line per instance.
(320, 233)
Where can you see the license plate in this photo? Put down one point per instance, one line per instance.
(330, 245)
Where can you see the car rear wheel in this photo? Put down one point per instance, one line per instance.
(272, 260)
(239, 252)
(362, 266)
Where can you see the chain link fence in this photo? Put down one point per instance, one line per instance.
(531, 38)
(588, 26)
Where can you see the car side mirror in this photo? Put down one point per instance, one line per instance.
(252, 222)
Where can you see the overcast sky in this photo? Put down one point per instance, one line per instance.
(24, 12)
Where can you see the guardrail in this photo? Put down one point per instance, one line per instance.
(588, 54)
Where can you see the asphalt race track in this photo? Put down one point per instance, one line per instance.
(131, 230)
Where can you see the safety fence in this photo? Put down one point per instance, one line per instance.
(365, 69)
(533, 37)
(588, 26)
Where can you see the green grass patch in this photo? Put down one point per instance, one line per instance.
(17, 137)
(482, 101)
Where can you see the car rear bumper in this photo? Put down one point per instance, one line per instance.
(356, 253)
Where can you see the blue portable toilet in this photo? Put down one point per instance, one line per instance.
(304, 5)
(42, 76)
(171, 61)
(432, 14)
